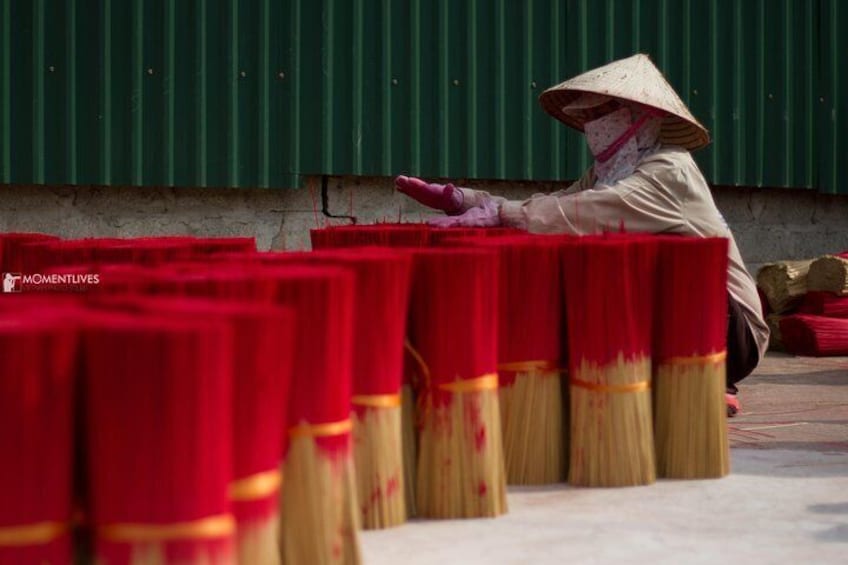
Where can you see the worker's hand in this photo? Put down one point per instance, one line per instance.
(486, 215)
(444, 197)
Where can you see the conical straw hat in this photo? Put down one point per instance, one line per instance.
(633, 79)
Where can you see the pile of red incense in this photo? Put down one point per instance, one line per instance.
(816, 336)
(824, 304)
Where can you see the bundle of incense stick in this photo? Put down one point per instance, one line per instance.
(37, 381)
(319, 512)
(381, 297)
(783, 283)
(40, 303)
(46, 254)
(38, 256)
(411, 236)
(158, 487)
(122, 279)
(12, 250)
(530, 335)
(231, 281)
(414, 375)
(454, 316)
(439, 236)
(35, 252)
(775, 339)
(236, 257)
(391, 235)
(262, 361)
(188, 247)
(830, 273)
(690, 421)
(204, 246)
(817, 336)
(141, 251)
(415, 369)
(824, 304)
(611, 439)
(111, 279)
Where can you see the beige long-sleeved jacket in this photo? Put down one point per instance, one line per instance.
(665, 194)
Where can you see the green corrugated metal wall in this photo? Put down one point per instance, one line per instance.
(257, 93)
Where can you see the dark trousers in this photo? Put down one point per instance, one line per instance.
(742, 353)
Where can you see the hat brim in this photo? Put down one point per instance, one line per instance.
(636, 80)
(676, 130)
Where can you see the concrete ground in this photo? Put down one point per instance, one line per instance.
(786, 500)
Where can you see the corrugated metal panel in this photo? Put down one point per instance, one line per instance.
(145, 92)
(832, 120)
(257, 93)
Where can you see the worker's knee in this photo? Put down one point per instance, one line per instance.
(743, 356)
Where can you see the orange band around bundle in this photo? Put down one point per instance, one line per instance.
(321, 430)
(528, 366)
(257, 486)
(488, 381)
(603, 387)
(709, 359)
(217, 526)
(376, 400)
(31, 534)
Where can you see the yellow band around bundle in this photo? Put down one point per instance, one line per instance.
(256, 487)
(716, 357)
(486, 382)
(376, 400)
(205, 528)
(31, 534)
(528, 366)
(321, 430)
(603, 387)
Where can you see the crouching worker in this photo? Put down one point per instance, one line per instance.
(640, 134)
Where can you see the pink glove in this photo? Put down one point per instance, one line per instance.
(444, 197)
(486, 215)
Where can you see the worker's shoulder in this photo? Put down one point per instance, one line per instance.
(671, 166)
(669, 156)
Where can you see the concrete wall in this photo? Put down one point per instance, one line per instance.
(769, 224)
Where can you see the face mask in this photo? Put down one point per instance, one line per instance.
(601, 133)
(617, 145)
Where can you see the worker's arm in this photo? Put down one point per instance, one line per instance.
(472, 198)
(650, 200)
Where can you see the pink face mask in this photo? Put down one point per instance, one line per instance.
(618, 142)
